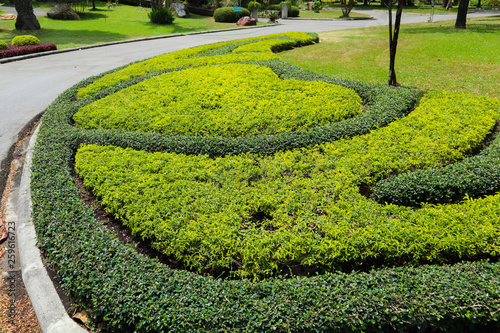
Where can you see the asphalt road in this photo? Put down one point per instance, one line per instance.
(29, 85)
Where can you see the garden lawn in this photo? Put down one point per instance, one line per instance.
(107, 25)
(430, 56)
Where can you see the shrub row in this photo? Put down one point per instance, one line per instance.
(204, 101)
(473, 177)
(13, 51)
(264, 214)
(182, 58)
(130, 292)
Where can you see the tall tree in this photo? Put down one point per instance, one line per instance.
(393, 40)
(26, 19)
(462, 14)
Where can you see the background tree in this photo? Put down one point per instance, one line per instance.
(393, 40)
(346, 6)
(26, 19)
(462, 14)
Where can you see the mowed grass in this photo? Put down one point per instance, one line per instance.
(107, 25)
(430, 56)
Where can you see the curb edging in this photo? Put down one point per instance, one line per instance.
(48, 307)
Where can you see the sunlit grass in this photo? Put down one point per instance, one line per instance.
(430, 56)
(106, 25)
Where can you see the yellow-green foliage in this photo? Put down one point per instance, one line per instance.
(25, 40)
(184, 58)
(273, 45)
(3, 45)
(304, 206)
(226, 100)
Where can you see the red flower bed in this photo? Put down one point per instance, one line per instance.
(13, 51)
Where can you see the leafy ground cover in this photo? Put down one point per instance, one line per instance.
(106, 25)
(131, 292)
(204, 101)
(431, 56)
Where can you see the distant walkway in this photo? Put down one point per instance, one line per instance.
(10, 9)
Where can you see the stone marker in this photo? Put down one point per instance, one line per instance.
(179, 9)
(62, 11)
(246, 21)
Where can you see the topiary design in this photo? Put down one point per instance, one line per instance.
(25, 40)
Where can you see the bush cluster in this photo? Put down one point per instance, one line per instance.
(25, 40)
(227, 14)
(162, 15)
(131, 292)
(13, 51)
(3, 45)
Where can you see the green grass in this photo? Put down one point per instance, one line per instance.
(327, 14)
(2, 11)
(107, 25)
(430, 56)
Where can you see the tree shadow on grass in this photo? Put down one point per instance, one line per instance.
(80, 37)
(92, 15)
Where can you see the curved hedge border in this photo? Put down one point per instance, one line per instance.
(228, 100)
(181, 58)
(133, 293)
(473, 177)
(255, 216)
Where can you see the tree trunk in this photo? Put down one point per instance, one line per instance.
(478, 4)
(462, 14)
(26, 19)
(393, 41)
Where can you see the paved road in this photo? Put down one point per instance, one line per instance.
(28, 86)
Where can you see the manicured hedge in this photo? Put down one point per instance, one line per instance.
(13, 51)
(226, 100)
(132, 293)
(473, 177)
(265, 214)
(228, 14)
(185, 57)
(25, 40)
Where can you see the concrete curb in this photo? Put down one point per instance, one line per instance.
(48, 307)
(142, 39)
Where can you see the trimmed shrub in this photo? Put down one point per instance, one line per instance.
(273, 45)
(3, 45)
(161, 16)
(203, 101)
(227, 14)
(254, 5)
(25, 40)
(13, 51)
(293, 11)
